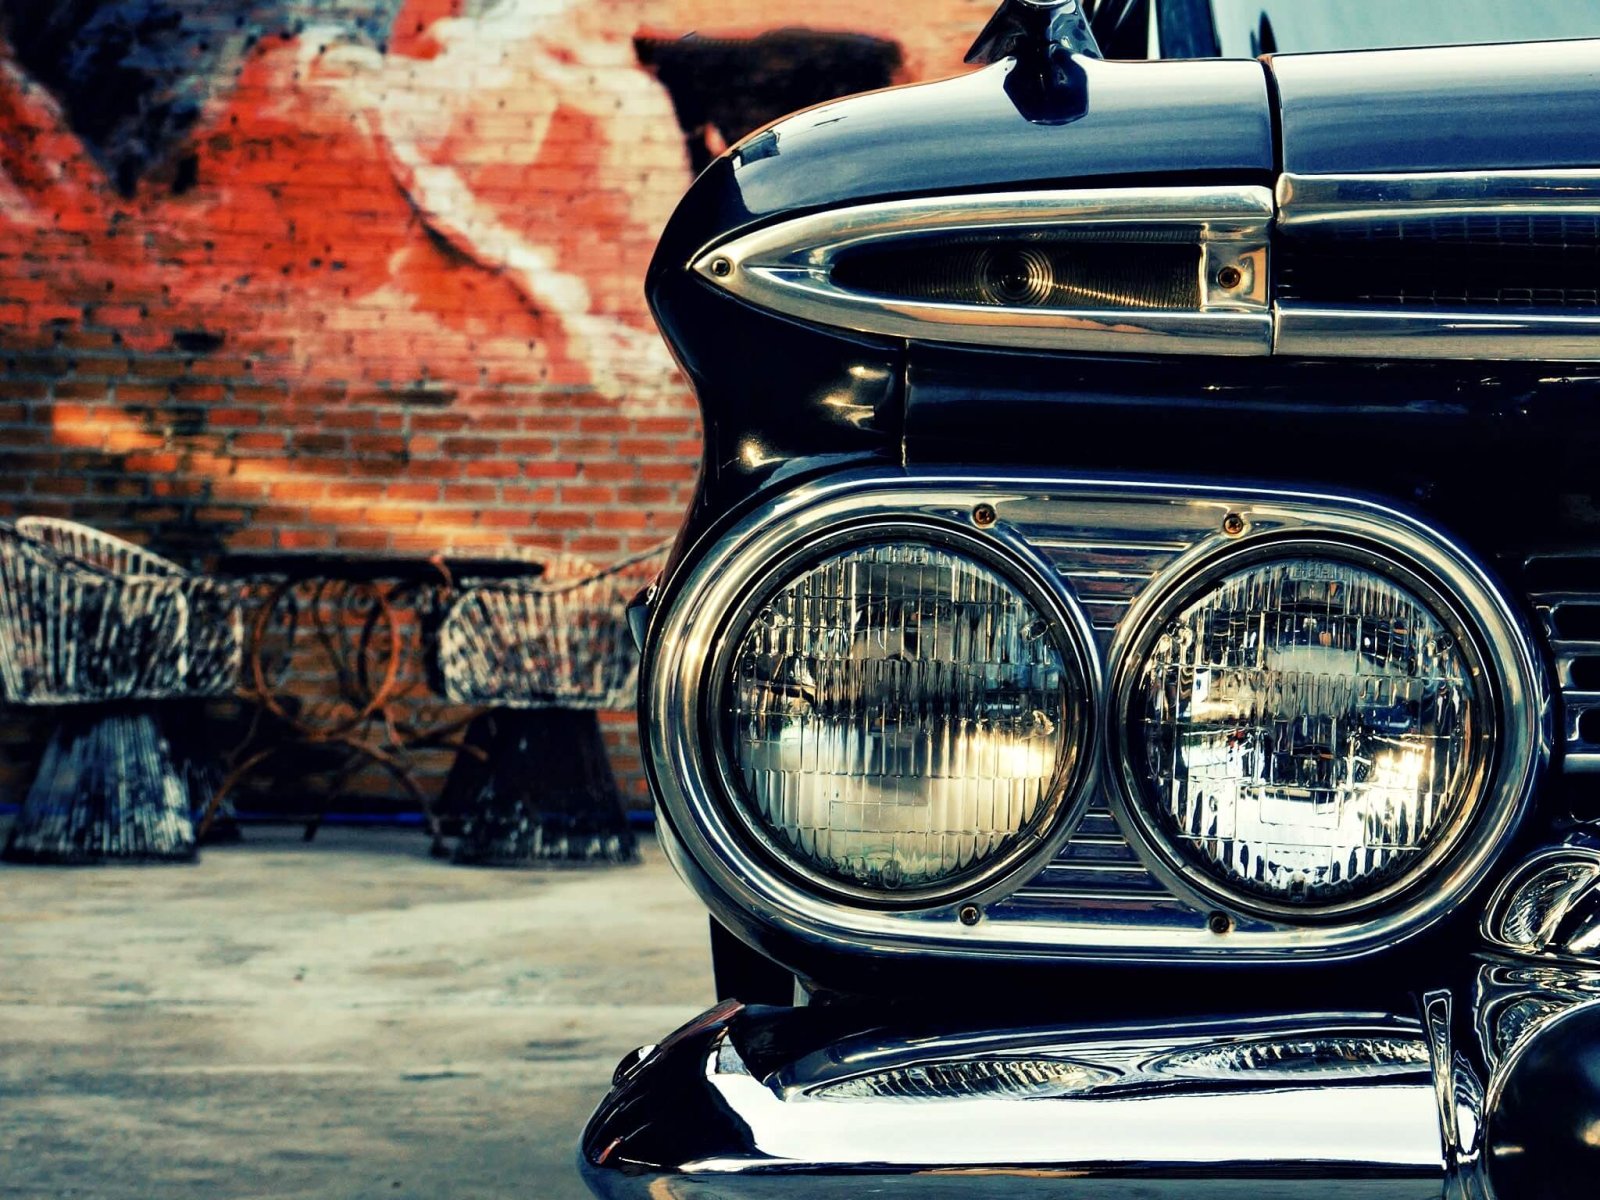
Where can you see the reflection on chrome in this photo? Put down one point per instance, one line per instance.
(1015, 1078)
(1514, 1002)
(1549, 905)
(1309, 730)
(1109, 1108)
(1297, 1058)
(1437, 1105)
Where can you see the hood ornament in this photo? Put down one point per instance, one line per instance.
(1045, 37)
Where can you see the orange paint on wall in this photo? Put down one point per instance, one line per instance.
(452, 229)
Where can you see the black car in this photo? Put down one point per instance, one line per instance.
(1129, 686)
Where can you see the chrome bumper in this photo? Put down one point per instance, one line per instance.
(1348, 1107)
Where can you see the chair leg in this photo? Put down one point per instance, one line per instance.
(108, 790)
(543, 793)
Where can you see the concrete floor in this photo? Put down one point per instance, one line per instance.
(338, 1021)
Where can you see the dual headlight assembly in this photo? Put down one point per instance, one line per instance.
(1295, 728)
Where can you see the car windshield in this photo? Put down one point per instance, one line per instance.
(1246, 28)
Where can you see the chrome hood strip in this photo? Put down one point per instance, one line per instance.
(788, 268)
(1323, 200)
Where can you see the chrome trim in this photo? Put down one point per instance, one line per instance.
(1186, 1109)
(1309, 330)
(1184, 524)
(1459, 1091)
(696, 793)
(1080, 755)
(1513, 1001)
(1457, 596)
(1309, 203)
(1316, 200)
(1580, 756)
(787, 268)
(1571, 930)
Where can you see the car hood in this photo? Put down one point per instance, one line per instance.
(1464, 108)
(1503, 107)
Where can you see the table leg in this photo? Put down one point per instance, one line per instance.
(541, 791)
(194, 749)
(108, 790)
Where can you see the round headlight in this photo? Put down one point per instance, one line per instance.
(1307, 731)
(901, 721)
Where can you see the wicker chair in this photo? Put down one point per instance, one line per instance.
(212, 655)
(534, 782)
(101, 629)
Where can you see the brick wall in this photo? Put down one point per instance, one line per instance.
(365, 274)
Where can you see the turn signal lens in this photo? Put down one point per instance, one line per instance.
(1062, 270)
(1307, 732)
(899, 718)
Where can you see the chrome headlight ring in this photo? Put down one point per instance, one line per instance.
(1064, 627)
(699, 789)
(1505, 672)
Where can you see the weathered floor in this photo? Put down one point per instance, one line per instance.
(338, 1021)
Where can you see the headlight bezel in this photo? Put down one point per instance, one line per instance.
(1069, 630)
(1035, 520)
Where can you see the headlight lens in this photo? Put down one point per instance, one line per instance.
(1307, 733)
(900, 718)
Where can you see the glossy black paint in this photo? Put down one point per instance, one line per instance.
(1455, 109)
(1544, 1135)
(1500, 456)
(1180, 121)
(779, 397)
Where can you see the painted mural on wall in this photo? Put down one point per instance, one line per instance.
(285, 241)
(365, 274)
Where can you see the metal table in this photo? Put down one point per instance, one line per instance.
(363, 621)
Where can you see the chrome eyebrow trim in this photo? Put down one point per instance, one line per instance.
(787, 268)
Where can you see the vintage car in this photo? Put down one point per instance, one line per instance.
(1128, 690)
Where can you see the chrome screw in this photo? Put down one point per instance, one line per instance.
(1233, 524)
(1220, 923)
(722, 267)
(984, 516)
(1229, 278)
(970, 914)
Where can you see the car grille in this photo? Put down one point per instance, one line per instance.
(1097, 871)
(1564, 590)
(1443, 262)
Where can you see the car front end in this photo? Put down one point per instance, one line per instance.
(1132, 669)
